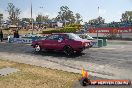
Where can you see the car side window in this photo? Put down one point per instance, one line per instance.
(56, 37)
(49, 37)
(61, 37)
(53, 37)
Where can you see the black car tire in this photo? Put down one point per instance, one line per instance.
(68, 50)
(78, 52)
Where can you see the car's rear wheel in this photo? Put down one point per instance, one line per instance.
(37, 48)
(68, 50)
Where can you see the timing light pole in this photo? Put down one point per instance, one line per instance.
(97, 29)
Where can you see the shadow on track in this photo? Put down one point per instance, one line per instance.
(56, 54)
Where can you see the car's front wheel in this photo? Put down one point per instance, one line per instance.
(68, 50)
(37, 48)
(78, 52)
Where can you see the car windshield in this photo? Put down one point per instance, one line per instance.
(73, 36)
(89, 37)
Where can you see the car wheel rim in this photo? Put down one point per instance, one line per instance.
(68, 51)
(37, 48)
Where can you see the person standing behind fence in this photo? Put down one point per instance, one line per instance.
(1, 35)
(16, 34)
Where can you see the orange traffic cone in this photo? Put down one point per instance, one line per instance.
(86, 74)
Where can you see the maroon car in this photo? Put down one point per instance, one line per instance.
(69, 43)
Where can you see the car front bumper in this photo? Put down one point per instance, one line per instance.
(82, 48)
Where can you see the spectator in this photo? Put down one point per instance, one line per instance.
(1, 35)
(16, 34)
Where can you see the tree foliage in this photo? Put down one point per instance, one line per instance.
(41, 18)
(65, 14)
(78, 18)
(127, 16)
(96, 21)
(1, 17)
(13, 13)
(28, 20)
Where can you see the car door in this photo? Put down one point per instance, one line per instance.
(51, 42)
(61, 42)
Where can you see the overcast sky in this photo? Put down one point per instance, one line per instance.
(110, 10)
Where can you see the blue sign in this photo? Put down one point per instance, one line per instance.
(20, 40)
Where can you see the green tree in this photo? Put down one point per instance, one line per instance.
(127, 16)
(26, 20)
(13, 13)
(78, 18)
(1, 17)
(65, 14)
(97, 21)
(41, 18)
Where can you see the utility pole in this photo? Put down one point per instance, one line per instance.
(65, 22)
(31, 16)
(41, 13)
